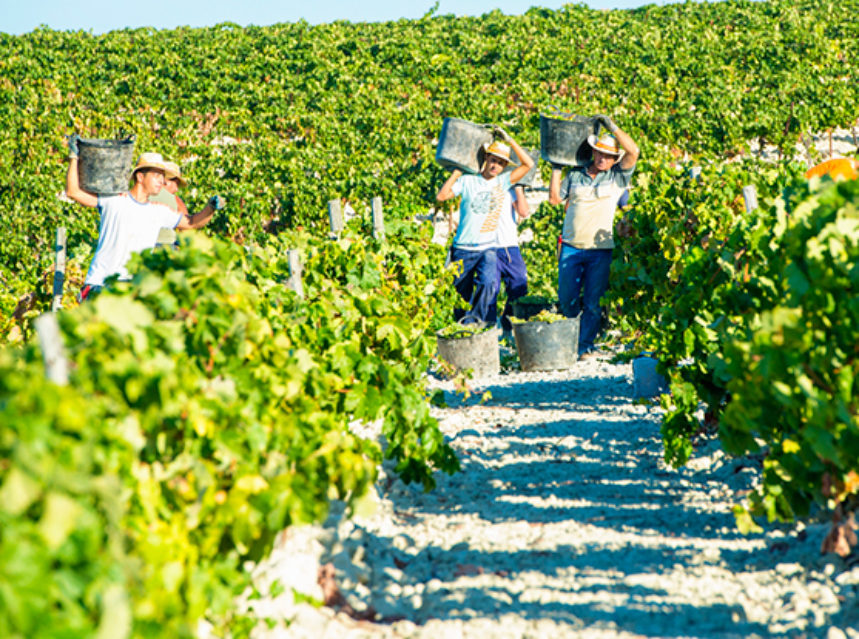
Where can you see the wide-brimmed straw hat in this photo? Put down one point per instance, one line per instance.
(173, 172)
(149, 161)
(499, 150)
(607, 144)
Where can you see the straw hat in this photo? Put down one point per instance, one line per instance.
(173, 172)
(149, 161)
(499, 150)
(607, 144)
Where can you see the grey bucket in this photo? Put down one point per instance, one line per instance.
(459, 144)
(646, 381)
(524, 309)
(547, 346)
(104, 166)
(565, 141)
(478, 351)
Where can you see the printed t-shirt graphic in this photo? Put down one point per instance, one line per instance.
(483, 203)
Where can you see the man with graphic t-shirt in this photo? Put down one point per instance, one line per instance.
(485, 198)
(129, 222)
(511, 266)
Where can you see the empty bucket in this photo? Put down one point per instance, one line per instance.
(459, 144)
(104, 166)
(646, 382)
(564, 138)
(547, 346)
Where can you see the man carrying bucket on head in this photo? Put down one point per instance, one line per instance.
(129, 222)
(590, 195)
(485, 198)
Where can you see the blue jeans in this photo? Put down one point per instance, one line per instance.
(511, 271)
(477, 284)
(582, 281)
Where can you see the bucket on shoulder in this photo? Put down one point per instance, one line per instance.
(460, 143)
(547, 346)
(104, 166)
(476, 351)
(564, 138)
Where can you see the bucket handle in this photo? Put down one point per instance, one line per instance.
(558, 113)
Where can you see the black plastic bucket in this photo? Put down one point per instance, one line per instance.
(476, 351)
(459, 144)
(104, 166)
(547, 346)
(565, 141)
(524, 309)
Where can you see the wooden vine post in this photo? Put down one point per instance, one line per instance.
(335, 218)
(53, 352)
(378, 219)
(294, 281)
(59, 269)
(750, 196)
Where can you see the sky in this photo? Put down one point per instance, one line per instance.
(99, 16)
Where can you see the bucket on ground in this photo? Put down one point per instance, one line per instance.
(459, 144)
(104, 166)
(527, 307)
(564, 138)
(476, 351)
(646, 382)
(547, 346)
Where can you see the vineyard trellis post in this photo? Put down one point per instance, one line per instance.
(695, 173)
(750, 196)
(294, 281)
(335, 218)
(53, 351)
(378, 219)
(59, 269)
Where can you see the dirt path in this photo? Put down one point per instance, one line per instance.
(564, 522)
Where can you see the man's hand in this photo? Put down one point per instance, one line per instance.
(217, 202)
(72, 141)
(606, 122)
(501, 133)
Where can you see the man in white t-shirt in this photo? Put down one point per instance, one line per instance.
(510, 265)
(129, 223)
(485, 198)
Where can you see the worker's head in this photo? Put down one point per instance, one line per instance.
(149, 173)
(173, 177)
(606, 151)
(497, 157)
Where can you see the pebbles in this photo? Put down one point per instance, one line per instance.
(564, 522)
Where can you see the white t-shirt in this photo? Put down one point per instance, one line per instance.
(127, 226)
(508, 234)
(483, 203)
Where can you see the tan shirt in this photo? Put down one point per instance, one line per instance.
(591, 205)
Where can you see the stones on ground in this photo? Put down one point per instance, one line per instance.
(564, 522)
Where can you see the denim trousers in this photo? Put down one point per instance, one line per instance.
(511, 271)
(582, 281)
(477, 284)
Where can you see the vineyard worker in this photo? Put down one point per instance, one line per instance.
(836, 168)
(129, 222)
(485, 198)
(510, 265)
(169, 195)
(590, 195)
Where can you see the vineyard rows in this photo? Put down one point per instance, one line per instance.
(208, 405)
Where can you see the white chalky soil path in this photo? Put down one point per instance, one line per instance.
(565, 522)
